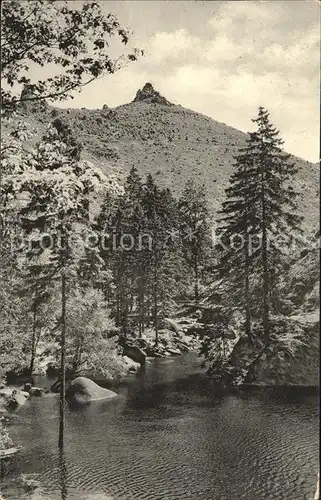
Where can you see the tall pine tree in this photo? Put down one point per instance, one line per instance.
(259, 211)
(194, 229)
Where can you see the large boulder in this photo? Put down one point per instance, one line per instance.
(135, 353)
(172, 325)
(33, 391)
(173, 352)
(299, 368)
(182, 346)
(82, 390)
(131, 365)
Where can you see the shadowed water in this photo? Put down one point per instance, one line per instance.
(171, 435)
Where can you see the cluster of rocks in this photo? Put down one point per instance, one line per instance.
(149, 95)
(174, 338)
(13, 397)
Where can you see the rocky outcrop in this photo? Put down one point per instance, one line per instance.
(149, 95)
(172, 325)
(301, 368)
(133, 367)
(290, 359)
(132, 349)
(135, 353)
(82, 390)
(175, 337)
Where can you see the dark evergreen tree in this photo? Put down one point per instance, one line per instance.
(194, 229)
(238, 219)
(130, 248)
(160, 222)
(259, 211)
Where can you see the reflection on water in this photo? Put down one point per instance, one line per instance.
(63, 475)
(171, 435)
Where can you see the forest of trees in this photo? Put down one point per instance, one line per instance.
(144, 252)
(133, 261)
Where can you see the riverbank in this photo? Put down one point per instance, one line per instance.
(128, 351)
(177, 337)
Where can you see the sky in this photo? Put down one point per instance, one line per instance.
(224, 59)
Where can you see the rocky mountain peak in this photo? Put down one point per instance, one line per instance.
(149, 95)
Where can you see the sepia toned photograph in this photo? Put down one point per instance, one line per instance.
(160, 250)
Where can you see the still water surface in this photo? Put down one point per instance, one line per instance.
(171, 435)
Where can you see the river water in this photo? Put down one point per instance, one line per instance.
(171, 435)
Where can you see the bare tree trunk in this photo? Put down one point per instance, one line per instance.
(143, 312)
(148, 305)
(62, 361)
(196, 289)
(155, 297)
(141, 301)
(117, 307)
(266, 314)
(33, 341)
(248, 318)
(140, 307)
(118, 294)
(63, 475)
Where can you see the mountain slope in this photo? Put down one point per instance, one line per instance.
(169, 141)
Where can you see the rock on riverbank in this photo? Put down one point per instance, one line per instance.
(174, 338)
(11, 397)
(82, 390)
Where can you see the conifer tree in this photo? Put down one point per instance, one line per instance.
(132, 219)
(260, 207)
(238, 215)
(160, 222)
(105, 227)
(120, 220)
(137, 255)
(194, 228)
